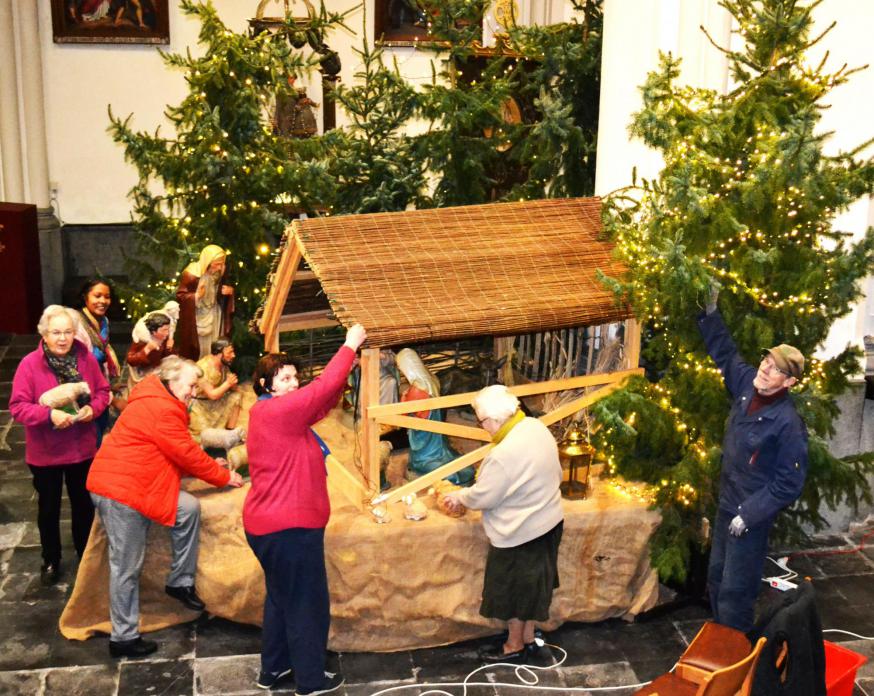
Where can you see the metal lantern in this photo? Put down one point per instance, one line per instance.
(576, 455)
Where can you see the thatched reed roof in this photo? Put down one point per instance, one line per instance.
(450, 273)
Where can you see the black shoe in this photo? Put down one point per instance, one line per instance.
(332, 683)
(50, 573)
(187, 595)
(267, 680)
(136, 647)
(496, 653)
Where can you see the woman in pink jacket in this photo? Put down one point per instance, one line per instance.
(59, 442)
(286, 511)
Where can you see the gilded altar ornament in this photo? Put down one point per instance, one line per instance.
(505, 14)
(576, 455)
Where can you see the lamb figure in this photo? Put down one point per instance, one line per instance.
(140, 333)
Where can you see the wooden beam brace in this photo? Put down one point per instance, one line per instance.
(477, 454)
(348, 481)
(317, 319)
(432, 476)
(572, 407)
(279, 289)
(519, 390)
(453, 429)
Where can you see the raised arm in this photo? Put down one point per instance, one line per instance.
(309, 404)
(736, 374)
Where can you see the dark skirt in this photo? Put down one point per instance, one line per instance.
(519, 580)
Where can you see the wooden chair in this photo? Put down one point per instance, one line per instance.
(718, 662)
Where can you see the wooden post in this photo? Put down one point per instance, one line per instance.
(632, 343)
(368, 396)
(279, 289)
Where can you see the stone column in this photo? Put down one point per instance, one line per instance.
(10, 126)
(51, 249)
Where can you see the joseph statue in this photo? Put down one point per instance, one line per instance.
(206, 304)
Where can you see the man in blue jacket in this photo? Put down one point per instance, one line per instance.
(764, 462)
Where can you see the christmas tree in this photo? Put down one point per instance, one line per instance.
(223, 177)
(372, 160)
(518, 121)
(745, 200)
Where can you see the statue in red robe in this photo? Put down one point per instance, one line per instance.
(206, 304)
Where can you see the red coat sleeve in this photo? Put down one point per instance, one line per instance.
(176, 443)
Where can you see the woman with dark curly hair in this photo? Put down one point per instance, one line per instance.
(96, 296)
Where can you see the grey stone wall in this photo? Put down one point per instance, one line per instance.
(96, 249)
(854, 433)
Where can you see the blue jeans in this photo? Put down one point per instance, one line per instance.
(297, 609)
(734, 576)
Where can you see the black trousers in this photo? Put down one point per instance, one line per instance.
(297, 609)
(49, 484)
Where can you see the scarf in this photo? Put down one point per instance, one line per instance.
(508, 425)
(760, 400)
(98, 332)
(65, 369)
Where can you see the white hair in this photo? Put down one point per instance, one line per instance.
(495, 402)
(172, 366)
(56, 310)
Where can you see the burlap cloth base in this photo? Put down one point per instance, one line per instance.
(395, 586)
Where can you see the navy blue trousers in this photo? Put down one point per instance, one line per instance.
(734, 576)
(297, 610)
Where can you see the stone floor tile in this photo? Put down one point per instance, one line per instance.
(99, 680)
(689, 629)
(15, 451)
(844, 564)
(226, 675)
(216, 637)
(26, 559)
(17, 489)
(58, 593)
(410, 689)
(864, 687)
(11, 534)
(448, 663)
(858, 589)
(804, 565)
(641, 641)
(21, 683)
(600, 675)
(31, 640)
(842, 615)
(14, 586)
(648, 669)
(362, 668)
(592, 644)
(150, 678)
(174, 642)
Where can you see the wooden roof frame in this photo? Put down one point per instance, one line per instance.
(361, 484)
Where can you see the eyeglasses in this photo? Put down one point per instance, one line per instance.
(769, 368)
(57, 334)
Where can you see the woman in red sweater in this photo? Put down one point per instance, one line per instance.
(286, 511)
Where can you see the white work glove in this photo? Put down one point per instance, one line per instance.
(710, 307)
(737, 526)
